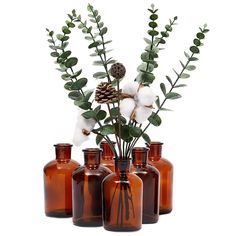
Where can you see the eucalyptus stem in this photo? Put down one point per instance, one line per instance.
(118, 144)
(119, 115)
(97, 49)
(172, 87)
(103, 42)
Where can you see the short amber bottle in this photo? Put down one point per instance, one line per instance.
(122, 199)
(150, 177)
(107, 158)
(57, 182)
(87, 193)
(166, 176)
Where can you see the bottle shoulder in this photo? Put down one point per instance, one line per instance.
(161, 163)
(83, 170)
(61, 165)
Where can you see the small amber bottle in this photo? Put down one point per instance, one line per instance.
(166, 176)
(150, 178)
(107, 158)
(87, 192)
(57, 182)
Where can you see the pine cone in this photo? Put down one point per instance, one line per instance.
(105, 93)
(117, 71)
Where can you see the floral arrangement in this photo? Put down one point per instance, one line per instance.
(118, 108)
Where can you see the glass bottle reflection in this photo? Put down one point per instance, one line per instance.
(107, 158)
(166, 176)
(87, 194)
(150, 178)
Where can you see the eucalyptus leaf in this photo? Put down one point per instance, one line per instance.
(65, 77)
(67, 85)
(163, 88)
(154, 119)
(173, 95)
(66, 30)
(54, 54)
(76, 74)
(100, 75)
(101, 115)
(180, 85)
(75, 95)
(190, 67)
(187, 55)
(79, 84)
(169, 79)
(194, 49)
(93, 45)
(146, 138)
(65, 54)
(89, 115)
(99, 139)
(70, 62)
(135, 132)
(107, 129)
(184, 76)
(103, 31)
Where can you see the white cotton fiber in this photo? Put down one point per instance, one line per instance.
(130, 88)
(145, 96)
(142, 114)
(127, 106)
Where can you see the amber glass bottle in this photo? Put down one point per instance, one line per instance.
(107, 159)
(57, 182)
(166, 176)
(122, 199)
(150, 178)
(86, 186)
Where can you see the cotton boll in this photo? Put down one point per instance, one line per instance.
(142, 114)
(130, 88)
(127, 106)
(79, 137)
(145, 96)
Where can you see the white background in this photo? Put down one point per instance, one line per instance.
(199, 136)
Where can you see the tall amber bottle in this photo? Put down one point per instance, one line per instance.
(107, 159)
(166, 176)
(87, 193)
(122, 199)
(57, 182)
(150, 177)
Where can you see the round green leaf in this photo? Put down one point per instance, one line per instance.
(152, 24)
(153, 33)
(197, 42)
(101, 115)
(173, 95)
(65, 54)
(154, 17)
(200, 36)
(79, 84)
(194, 49)
(66, 30)
(68, 85)
(99, 139)
(54, 54)
(107, 129)
(70, 62)
(135, 132)
(89, 115)
(154, 119)
(103, 31)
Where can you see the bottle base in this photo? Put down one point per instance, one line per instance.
(88, 222)
(165, 211)
(121, 228)
(147, 219)
(59, 213)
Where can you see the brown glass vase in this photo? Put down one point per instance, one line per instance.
(87, 193)
(107, 158)
(122, 199)
(150, 177)
(57, 182)
(166, 176)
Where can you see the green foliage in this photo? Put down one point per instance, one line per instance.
(154, 119)
(99, 139)
(146, 138)
(135, 132)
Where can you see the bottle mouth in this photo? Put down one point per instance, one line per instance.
(157, 143)
(63, 145)
(105, 142)
(93, 150)
(140, 149)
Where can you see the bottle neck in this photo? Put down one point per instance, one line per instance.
(139, 156)
(122, 166)
(63, 151)
(92, 157)
(155, 151)
(107, 153)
